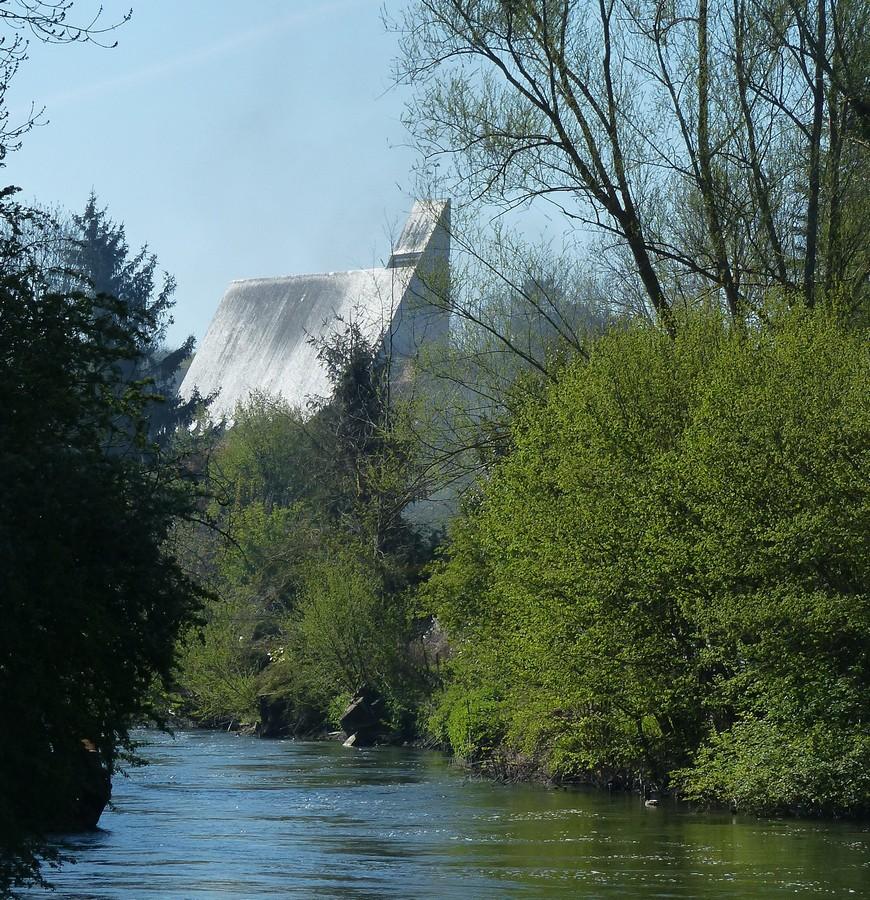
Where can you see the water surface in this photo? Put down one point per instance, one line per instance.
(221, 816)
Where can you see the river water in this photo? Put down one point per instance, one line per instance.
(221, 816)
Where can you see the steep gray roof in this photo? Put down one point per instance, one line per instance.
(258, 338)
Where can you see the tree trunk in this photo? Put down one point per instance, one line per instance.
(815, 155)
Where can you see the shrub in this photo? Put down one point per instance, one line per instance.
(673, 559)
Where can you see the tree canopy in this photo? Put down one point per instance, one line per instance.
(665, 583)
(718, 146)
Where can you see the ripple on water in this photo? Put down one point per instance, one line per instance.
(221, 816)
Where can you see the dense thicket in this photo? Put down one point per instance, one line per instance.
(314, 559)
(91, 600)
(660, 579)
(665, 582)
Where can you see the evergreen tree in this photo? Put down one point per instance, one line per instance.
(98, 256)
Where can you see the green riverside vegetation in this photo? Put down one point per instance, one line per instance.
(660, 584)
(92, 597)
(665, 582)
(311, 558)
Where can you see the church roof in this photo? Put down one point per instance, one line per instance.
(259, 337)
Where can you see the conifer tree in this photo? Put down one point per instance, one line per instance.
(98, 256)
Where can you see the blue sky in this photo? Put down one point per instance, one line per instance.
(237, 139)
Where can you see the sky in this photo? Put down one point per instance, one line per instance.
(236, 139)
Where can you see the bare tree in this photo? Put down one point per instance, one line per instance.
(704, 136)
(51, 22)
(517, 311)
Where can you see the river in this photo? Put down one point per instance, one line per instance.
(222, 816)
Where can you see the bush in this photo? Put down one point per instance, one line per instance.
(469, 721)
(677, 549)
(219, 668)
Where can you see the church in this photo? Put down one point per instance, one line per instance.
(259, 337)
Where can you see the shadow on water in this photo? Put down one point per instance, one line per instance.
(221, 816)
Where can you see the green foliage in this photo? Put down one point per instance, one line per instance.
(220, 669)
(779, 485)
(344, 626)
(313, 568)
(255, 578)
(336, 708)
(469, 720)
(263, 456)
(776, 764)
(673, 562)
(91, 599)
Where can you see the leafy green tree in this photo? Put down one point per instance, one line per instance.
(666, 579)
(348, 630)
(220, 665)
(90, 599)
(314, 570)
(263, 456)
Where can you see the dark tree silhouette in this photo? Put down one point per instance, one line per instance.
(91, 601)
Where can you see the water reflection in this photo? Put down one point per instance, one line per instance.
(219, 816)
